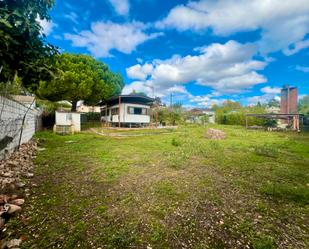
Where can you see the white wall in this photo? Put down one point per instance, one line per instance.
(131, 118)
(69, 118)
(12, 114)
(128, 118)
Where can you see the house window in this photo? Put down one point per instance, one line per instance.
(115, 111)
(104, 113)
(137, 111)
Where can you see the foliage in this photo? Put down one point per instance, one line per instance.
(50, 107)
(273, 103)
(232, 113)
(23, 51)
(81, 77)
(270, 123)
(138, 93)
(303, 106)
(11, 88)
(170, 116)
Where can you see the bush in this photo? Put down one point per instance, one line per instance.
(175, 142)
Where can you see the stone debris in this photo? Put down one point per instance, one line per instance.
(15, 173)
(215, 134)
(18, 166)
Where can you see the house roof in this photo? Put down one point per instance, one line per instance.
(133, 99)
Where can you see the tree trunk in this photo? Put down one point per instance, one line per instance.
(74, 106)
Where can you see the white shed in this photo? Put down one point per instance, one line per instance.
(67, 122)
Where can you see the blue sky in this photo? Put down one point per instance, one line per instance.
(203, 52)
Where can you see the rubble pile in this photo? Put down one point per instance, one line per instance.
(17, 167)
(215, 134)
(15, 173)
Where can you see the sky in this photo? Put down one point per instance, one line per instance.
(200, 52)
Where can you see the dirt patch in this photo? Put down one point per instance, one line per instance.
(215, 134)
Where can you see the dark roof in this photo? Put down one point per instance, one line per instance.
(133, 99)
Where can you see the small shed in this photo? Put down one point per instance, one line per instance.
(67, 122)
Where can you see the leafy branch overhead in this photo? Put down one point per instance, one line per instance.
(23, 50)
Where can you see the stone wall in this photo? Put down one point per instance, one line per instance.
(11, 120)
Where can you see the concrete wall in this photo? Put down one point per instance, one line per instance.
(69, 118)
(12, 114)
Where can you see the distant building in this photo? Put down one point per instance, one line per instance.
(273, 109)
(289, 100)
(85, 109)
(196, 116)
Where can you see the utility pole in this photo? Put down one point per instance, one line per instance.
(171, 100)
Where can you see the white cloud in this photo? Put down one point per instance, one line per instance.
(47, 26)
(122, 7)
(207, 100)
(226, 68)
(138, 86)
(139, 72)
(296, 47)
(106, 36)
(303, 69)
(282, 23)
(261, 99)
(269, 93)
(271, 90)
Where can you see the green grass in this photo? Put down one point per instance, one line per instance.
(171, 190)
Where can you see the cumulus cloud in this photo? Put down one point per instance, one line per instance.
(207, 100)
(106, 36)
(226, 68)
(139, 86)
(139, 72)
(122, 7)
(47, 26)
(282, 23)
(269, 93)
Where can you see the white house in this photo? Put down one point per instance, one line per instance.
(127, 110)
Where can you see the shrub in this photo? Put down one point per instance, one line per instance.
(176, 142)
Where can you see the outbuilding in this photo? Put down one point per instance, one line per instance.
(127, 110)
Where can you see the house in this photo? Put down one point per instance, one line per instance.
(198, 115)
(87, 109)
(81, 107)
(127, 110)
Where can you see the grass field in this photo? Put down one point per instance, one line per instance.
(176, 190)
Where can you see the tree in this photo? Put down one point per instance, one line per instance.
(273, 103)
(23, 51)
(303, 106)
(81, 77)
(134, 92)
